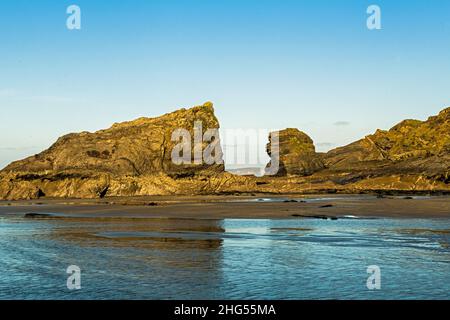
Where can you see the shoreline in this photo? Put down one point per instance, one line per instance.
(287, 206)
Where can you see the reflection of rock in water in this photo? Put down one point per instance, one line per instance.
(142, 232)
(164, 239)
(444, 245)
(170, 242)
(33, 215)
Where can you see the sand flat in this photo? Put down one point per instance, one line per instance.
(220, 207)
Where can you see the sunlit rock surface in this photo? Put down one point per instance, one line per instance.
(134, 158)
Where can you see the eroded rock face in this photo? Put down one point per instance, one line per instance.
(134, 159)
(412, 156)
(294, 152)
(407, 140)
(134, 148)
(410, 147)
(85, 163)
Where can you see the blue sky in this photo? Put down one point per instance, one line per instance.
(265, 64)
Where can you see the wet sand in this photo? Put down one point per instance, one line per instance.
(242, 207)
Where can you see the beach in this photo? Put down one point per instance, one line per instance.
(226, 247)
(240, 207)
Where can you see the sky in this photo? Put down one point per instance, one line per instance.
(266, 64)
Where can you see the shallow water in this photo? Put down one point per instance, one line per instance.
(309, 199)
(124, 258)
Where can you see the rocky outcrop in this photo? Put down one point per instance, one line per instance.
(134, 148)
(135, 158)
(100, 163)
(294, 152)
(407, 140)
(411, 147)
(413, 156)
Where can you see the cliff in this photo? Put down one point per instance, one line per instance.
(411, 147)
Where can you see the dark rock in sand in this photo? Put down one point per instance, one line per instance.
(322, 217)
(33, 215)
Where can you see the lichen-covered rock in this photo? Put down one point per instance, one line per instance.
(294, 152)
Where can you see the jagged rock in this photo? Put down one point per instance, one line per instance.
(410, 147)
(133, 148)
(408, 139)
(134, 159)
(413, 156)
(294, 152)
(91, 164)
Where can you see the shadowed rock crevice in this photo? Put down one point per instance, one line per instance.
(40, 193)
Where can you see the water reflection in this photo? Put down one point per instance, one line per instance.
(141, 258)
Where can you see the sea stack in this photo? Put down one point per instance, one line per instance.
(294, 152)
(83, 164)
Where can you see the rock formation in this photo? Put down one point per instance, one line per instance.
(89, 164)
(412, 147)
(413, 156)
(294, 152)
(135, 158)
